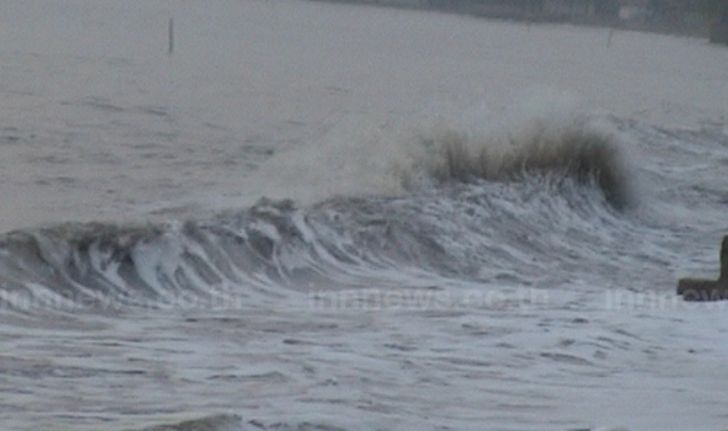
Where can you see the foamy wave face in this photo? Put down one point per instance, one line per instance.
(458, 233)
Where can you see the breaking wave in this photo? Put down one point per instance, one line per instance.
(469, 209)
(360, 157)
(577, 151)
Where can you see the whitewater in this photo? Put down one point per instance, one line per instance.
(318, 216)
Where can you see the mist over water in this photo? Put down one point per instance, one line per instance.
(542, 133)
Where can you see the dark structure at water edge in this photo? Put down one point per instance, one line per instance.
(708, 290)
(719, 29)
(696, 17)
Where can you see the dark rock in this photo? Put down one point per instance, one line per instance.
(707, 290)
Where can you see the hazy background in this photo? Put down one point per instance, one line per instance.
(99, 122)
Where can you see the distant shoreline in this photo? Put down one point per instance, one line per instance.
(699, 28)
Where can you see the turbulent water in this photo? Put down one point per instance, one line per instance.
(461, 226)
(474, 271)
(473, 283)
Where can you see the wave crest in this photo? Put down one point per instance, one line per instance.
(578, 151)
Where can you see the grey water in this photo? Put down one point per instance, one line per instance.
(250, 235)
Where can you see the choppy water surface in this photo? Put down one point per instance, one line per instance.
(503, 301)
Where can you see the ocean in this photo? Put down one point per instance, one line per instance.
(316, 216)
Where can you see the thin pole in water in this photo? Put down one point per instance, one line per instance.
(609, 38)
(171, 36)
